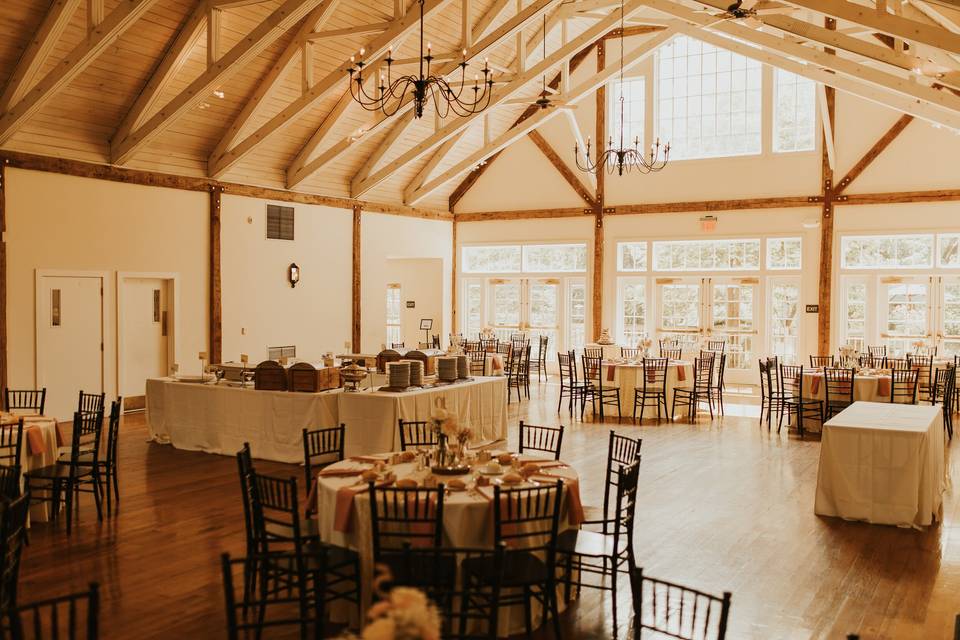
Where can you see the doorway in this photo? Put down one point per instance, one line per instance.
(145, 333)
(69, 353)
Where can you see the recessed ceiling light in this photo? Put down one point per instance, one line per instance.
(218, 93)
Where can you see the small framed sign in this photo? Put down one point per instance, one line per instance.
(411, 304)
(426, 324)
(813, 308)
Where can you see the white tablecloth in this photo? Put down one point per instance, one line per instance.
(372, 416)
(30, 459)
(220, 418)
(467, 522)
(866, 388)
(609, 351)
(883, 463)
(629, 377)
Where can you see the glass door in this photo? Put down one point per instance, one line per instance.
(905, 313)
(506, 307)
(526, 305)
(679, 303)
(855, 302)
(784, 319)
(543, 310)
(948, 317)
(734, 307)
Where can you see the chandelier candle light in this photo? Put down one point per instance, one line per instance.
(623, 158)
(392, 94)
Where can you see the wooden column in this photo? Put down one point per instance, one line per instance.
(216, 302)
(597, 286)
(453, 283)
(826, 223)
(3, 273)
(355, 297)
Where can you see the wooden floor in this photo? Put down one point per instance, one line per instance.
(722, 506)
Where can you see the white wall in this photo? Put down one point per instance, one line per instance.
(260, 308)
(68, 223)
(384, 237)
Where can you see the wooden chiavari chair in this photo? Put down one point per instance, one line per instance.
(542, 439)
(671, 354)
(903, 386)
(630, 354)
(839, 390)
(792, 400)
(593, 352)
(719, 346)
(897, 363)
(653, 389)
(924, 365)
(24, 400)
(401, 516)
(90, 402)
(699, 392)
(11, 439)
(659, 606)
(873, 362)
(878, 351)
(321, 447)
(599, 389)
(570, 385)
(13, 535)
(71, 617)
(819, 362)
(943, 392)
(415, 434)
(538, 364)
(669, 343)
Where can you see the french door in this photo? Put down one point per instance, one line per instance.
(526, 305)
(694, 310)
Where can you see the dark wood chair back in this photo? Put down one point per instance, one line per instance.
(671, 354)
(791, 381)
(677, 611)
(275, 511)
(669, 343)
(85, 439)
(415, 434)
(528, 518)
(113, 433)
(320, 448)
(593, 352)
(11, 439)
(873, 362)
(542, 439)
(71, 617)
(404, 516)
(13, 536)
(245, 470)
(278, 610)
(818, 362)
(24, 400)
(877, 350)
(897, 363)
(717, 345)
(703, 373)
(903, 386)
(302, 377)
(270, 376)
(924, 365)
(90, 402)
(630, 354)
(621, 452)
(568, 368)
(654, 374)
(839, 387)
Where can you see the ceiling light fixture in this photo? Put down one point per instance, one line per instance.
(391, 94)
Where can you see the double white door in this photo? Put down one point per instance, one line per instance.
(526, 305)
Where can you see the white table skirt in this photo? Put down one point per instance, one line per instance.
(883, 463)
(609, 351)
(629, 378)
(372, 417)
(29, 460)
(220, 418)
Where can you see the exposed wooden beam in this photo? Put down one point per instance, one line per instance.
(453, 278)
(591, 84)
(596, 287)
(267, 86)
(827, 124)
(169, 66)
(356, 281)
(431, 165)
(893, 25)
(709, 206)
(523, 214)
(359, 30)
(263, 35)
(874, 152)
(213, 35)
(3, 275)
(216, 293)
(826, 220)
(902, 197)
(562, 168)
(79, 58)
(188, 183)
(305, 165)
(306, 67)
(592, 34)
(37, 50)
(95, 14)
(374, 50)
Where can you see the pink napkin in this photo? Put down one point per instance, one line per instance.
(681, 373)
(814, 385)
(343, 514)
(611, 373)
(35, 440)
(883, 386)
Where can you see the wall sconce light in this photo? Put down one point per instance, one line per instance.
(293, 274)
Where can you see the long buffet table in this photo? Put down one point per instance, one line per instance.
(219, 418)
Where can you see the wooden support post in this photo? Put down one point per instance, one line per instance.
(826, 222)
(3, 273)
(598, 202)
(355, 335)
(216, 302)
(453, 282)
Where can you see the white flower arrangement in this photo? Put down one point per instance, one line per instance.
(403, 613)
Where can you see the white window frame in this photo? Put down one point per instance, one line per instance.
(646, 256)
(398, 325)
(766, 253)
(637, 125)
(775, 115)
(894, 267)
(622, 282)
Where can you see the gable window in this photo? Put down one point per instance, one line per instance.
(794, 112)
(708, 101)
(634, 93)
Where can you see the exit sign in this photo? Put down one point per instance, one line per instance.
(813, 308)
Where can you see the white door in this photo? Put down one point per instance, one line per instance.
(734, 308)
(143, 334)
(506, 306)
(905, 313)
(543, 309)
(526, 305)
(680, 306)
(69, 340)
(784, 319)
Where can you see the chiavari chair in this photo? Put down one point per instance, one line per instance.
(903, 386)
(542, 439)
(71, 617)
(699, 392)
(415, 434)
(582, 549)
(669, 343)
(873, 362)
(107, 463)
(819, 362)
(838, 385)
(924, 364)
(245, 470)
(621, 451)
(570, 385)
(9, 482)
(770, 399)
(877, 351)
(653, 389)
(539, 364)
(719, 382)
(24, 400)
(478, 360)
(13, 535)
(792, 400)
(630, 354)
(321, 447)
(659, 606)
(11, 439)
(671, 354)
(525, 520)
(718, 346)
(607, 392)
(488, 344)
(503, 348)
(90, 402)
(943, 392)
(402, 516)
(897, 363)
(593, 352)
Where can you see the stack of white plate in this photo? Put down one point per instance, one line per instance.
(416, 372)
(399, 374)
(463, 367)
(447, 368)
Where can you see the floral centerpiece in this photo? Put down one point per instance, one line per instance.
(919, 347)
(645, 345)
(487, 333)
(446, 427)
(402, 613)
(849, 356)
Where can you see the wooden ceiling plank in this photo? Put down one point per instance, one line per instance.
(375, 49)
(37, 50)
(431, 165)
(268, 85)
(589, 86)
(592, 34)
(172, 62)
(79, 58)
(303, 167)
(263, 35)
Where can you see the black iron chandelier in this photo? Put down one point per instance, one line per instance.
(392, 94)
(623, 159)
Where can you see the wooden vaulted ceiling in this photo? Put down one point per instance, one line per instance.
(240, 90)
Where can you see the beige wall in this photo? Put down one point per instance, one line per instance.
(260, 308)
(66, 223)
(421, 281)
(384, 237)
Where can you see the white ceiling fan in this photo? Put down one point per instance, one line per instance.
(750, 14)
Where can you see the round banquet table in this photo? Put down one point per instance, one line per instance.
(39, 447)
(343, 515)
(628, 376)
